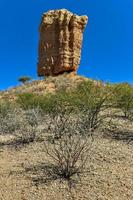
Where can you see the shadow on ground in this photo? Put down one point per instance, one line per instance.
(42, 174)
(18, 143)
(121, 135)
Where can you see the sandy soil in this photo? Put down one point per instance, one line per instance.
(24, 174)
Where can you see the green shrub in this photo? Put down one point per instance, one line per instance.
(47, 103)
(27, 100)
(87, 99)
(123, 98)
(91, 101)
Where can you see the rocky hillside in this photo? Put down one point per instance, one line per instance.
(42, 87)
(29, 135)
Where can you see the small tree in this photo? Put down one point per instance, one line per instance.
(123, 98)
(24, 79)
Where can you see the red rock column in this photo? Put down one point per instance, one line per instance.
(61, 34)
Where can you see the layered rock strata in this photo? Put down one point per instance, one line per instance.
(61, 34)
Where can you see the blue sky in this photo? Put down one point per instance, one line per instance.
(108, 39)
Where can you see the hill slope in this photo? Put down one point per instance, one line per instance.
(25, 173)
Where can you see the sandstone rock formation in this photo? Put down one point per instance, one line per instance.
(61, 34)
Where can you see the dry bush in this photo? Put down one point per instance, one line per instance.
(30, 128)
(69, 154)
(10, 118)
(59, 124)
(22, 124)
(68, 144)
(71, 127)
(69, 149)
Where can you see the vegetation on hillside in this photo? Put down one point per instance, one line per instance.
(66, 121)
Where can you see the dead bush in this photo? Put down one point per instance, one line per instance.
(68, 144)
(69, 154)
(10, 118)
(22, 124)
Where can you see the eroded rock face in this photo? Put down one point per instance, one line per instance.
(61, 34)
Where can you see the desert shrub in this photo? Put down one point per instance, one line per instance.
(62, 123)
(92, 102)
(123, 98)
(30, 101)
(5, 107)
(29, 130)
(69, 140)
(70, 152)
(10, 117)
(89, 100)
(71, 128)
(48, 103)
(23, 124)
(62, 82)
(27, 100)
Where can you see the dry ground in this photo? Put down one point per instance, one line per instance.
(24, 174)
